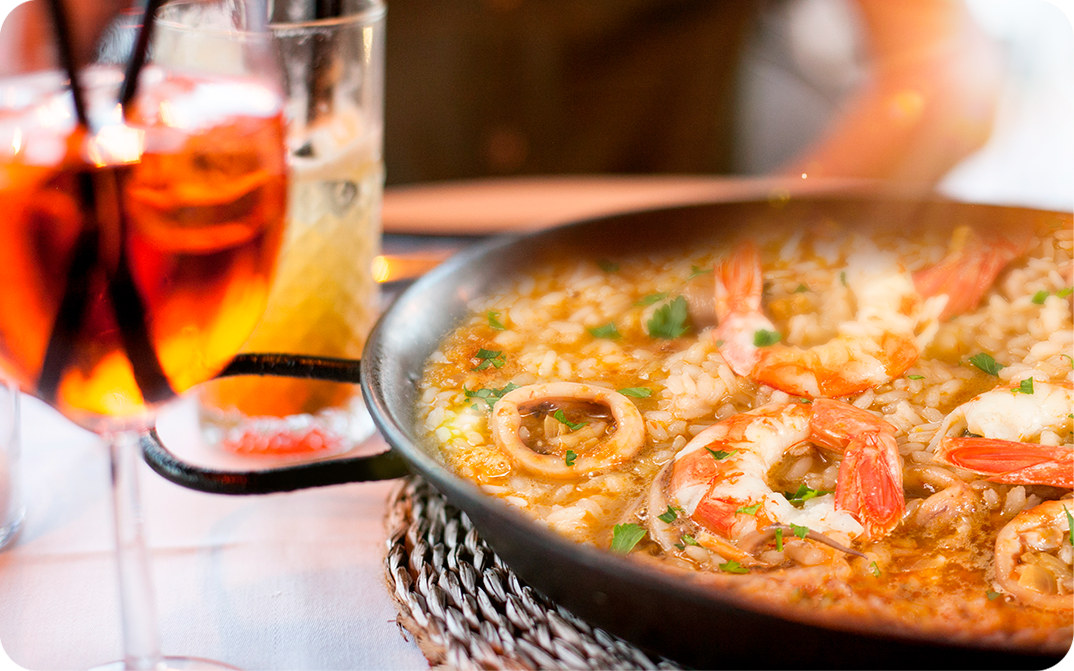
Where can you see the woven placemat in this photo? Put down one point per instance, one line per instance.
(467, 610)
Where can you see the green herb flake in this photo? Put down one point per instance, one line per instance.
(985, 362)
(697, 270)
(669, 515)
(494, 321)
(1070, 359)
(689, 540)
(1070, 525)
(608, 266)
(801, 289)
(669, 321)
(992, 595)
(489, 396)
(800, 531)
(733, 567)
(749, 510)
(489, 358)
(562, 419)
(650, 299)
(570, 457)
(607, 331)
(874, 569)
(765, 338)
(626, 536)
(1040, 297)
(779, 539)
(916, 377)
(803, 494)
(637, 392)
(1024, 387)
(720, 455)
(843, 277)
(1063, 293)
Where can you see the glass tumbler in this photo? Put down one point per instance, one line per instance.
(324, 299)
(11, 506)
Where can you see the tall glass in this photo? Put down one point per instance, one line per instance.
(324, 299)
(12, 509)
(138, 241)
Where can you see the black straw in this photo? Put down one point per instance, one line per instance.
(141, 49)
(67, 58)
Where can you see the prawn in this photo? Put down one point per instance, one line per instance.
(1014, 436)
(897, 315)
(719, 480)
(1034, 554)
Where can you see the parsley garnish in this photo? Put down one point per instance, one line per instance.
(874, 569)
(985, 362)
(494, 322)
(607, 331)
(650, 299)
(1063, 293)
(669, 321)
(562, 419)
(669, 516)
(608, 266)
(1024, 387)
(489, 358)
(720, 455)
(1039, 297)
(749, 510)
(800, 531)
(779, 539)
(803, 494)
(626, 536)
(765, 338)
(801, 289)
(688, 539)
(489, 396)
(916, 377)
(843, 277)
(992, 595)
(637, 392)
(570, 457)
(733, 567)
(697, 270)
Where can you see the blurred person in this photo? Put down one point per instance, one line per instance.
(515, 87)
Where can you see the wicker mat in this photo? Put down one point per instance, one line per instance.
(468, 610)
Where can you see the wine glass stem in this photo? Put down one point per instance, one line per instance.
(136, 601)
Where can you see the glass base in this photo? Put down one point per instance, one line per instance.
(9, 533)
(179, 663)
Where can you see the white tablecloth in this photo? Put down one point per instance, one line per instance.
(285, 581)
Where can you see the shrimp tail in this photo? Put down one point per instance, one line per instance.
(738, 292)
(870, 483)
(1010, 462)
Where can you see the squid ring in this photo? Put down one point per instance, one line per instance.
(623, 443)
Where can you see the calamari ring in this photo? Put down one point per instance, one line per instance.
(623, 443)
(1010, 545)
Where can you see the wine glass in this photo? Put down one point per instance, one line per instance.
(141, 214)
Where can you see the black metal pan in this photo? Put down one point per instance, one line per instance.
(669, 614)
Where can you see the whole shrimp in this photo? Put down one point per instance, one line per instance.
(719, 480)
(897, 316)
(1034, 554)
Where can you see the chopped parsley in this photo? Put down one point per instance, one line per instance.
(489, 358)
(874, 569)
(803, 494)
(626, 536)
(1063, 293)
(697, 270)
(733, 567)
(650, 299)
(570, 457)
(669, 321)
(992, 595)
(749, 510)
(494, 321)
(800, 531)
(689, 540)
(843, 277)
(637, 392)
(608, 266)
(562, 419)
(801, 289)
(985, 362)
(1024, 387)
(779, 539)
(1040, 297)
(720, 455)
(490, 395)
(765, 338)
(607, 331)
(916, 377)
(669, 515)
